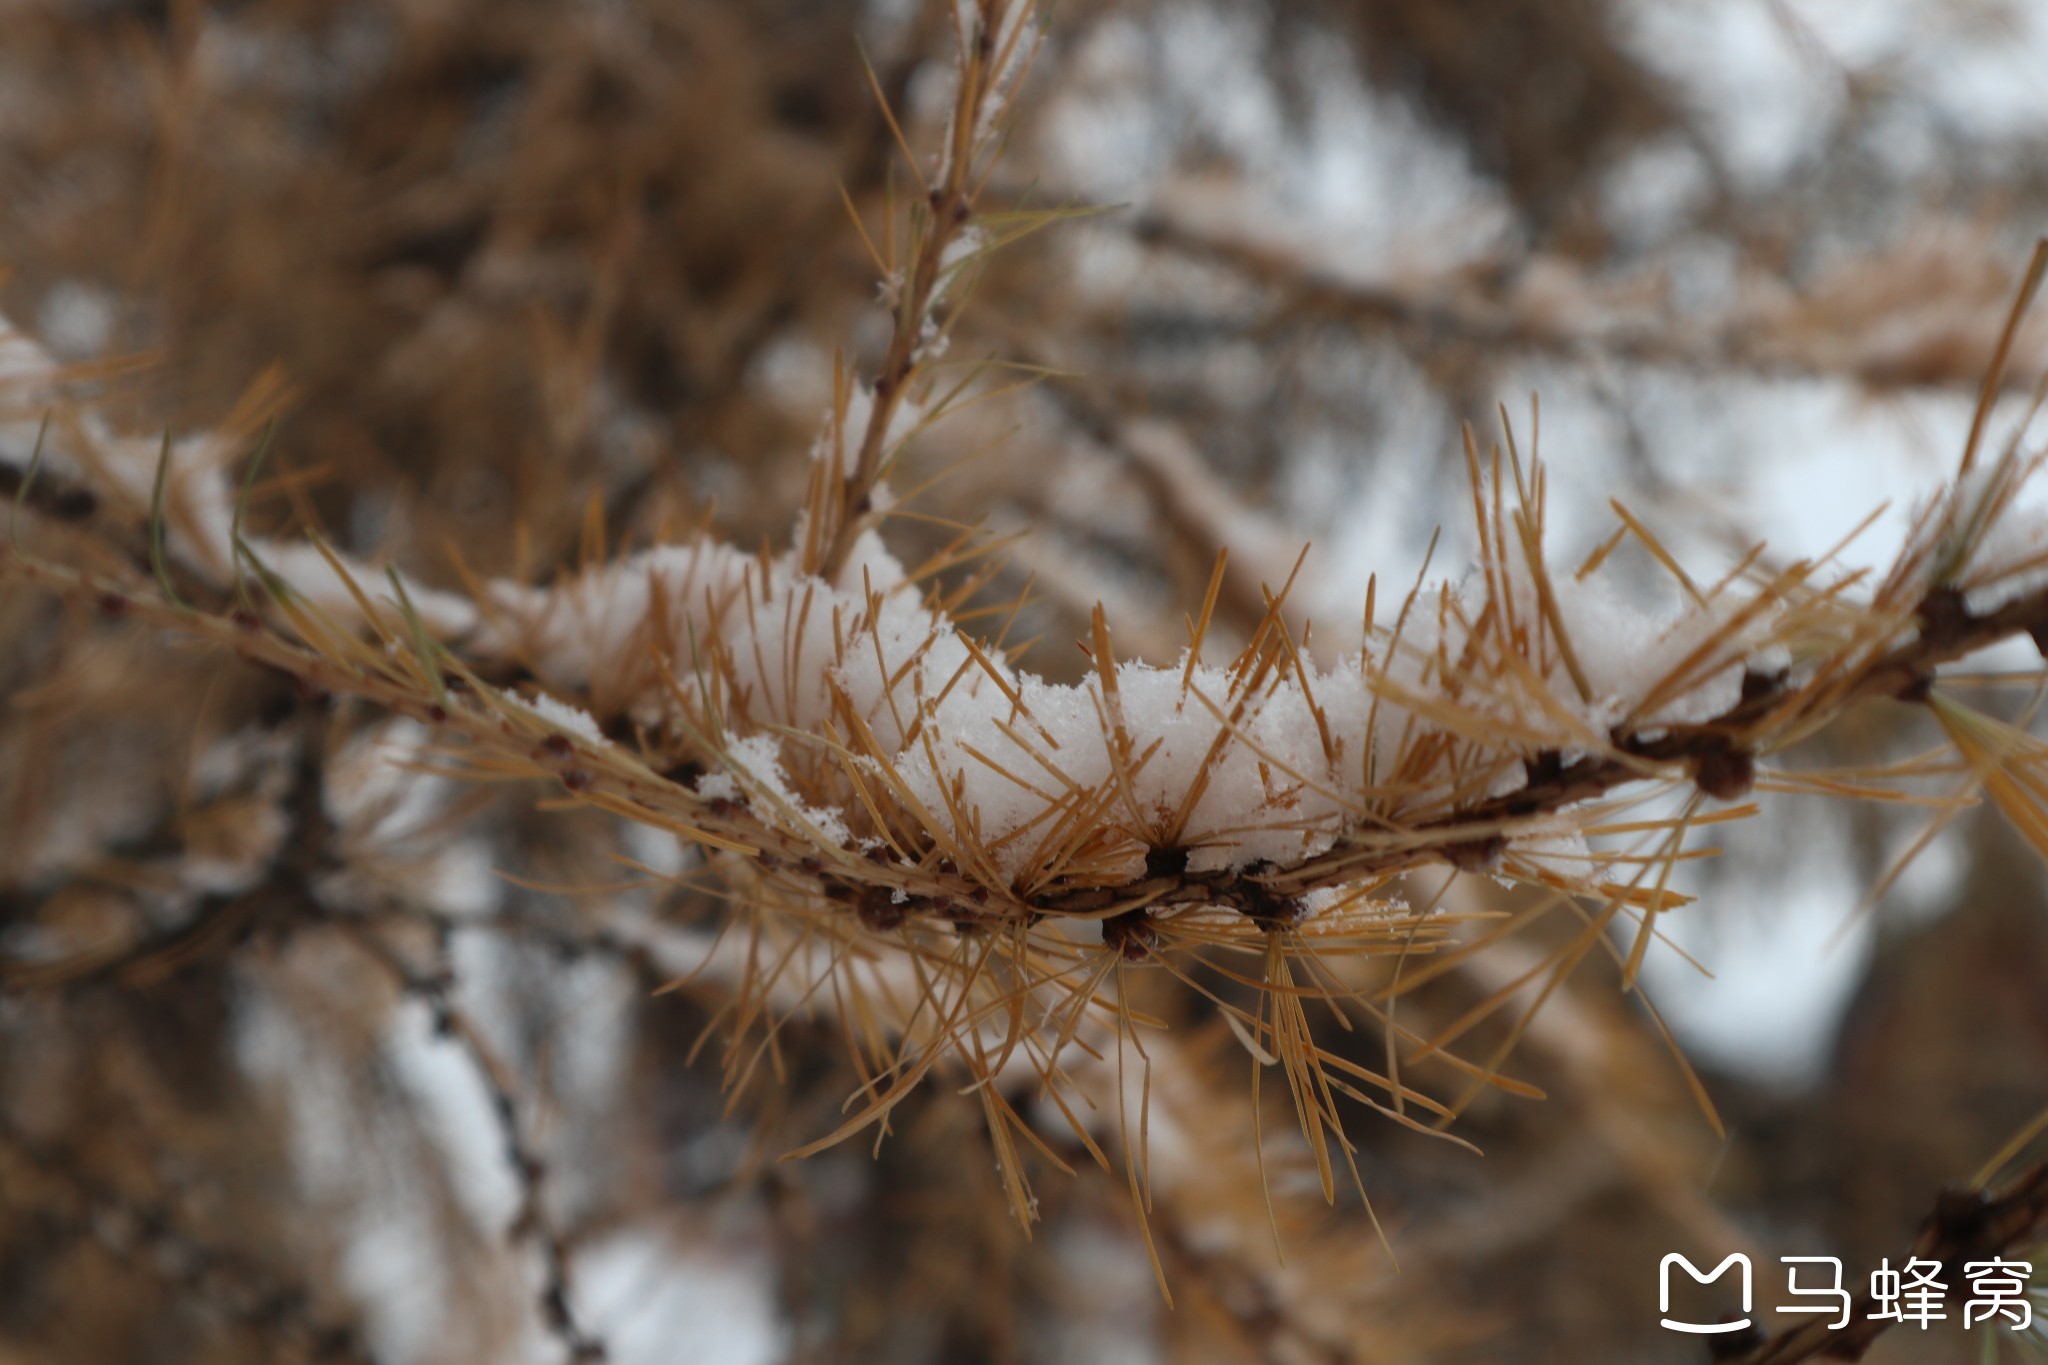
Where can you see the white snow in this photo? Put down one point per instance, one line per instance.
(563, 716)
(655, 1301)
(1272, 772)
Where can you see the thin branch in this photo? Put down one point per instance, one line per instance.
(1963, 1226)
(850, 508)
(532, 1224)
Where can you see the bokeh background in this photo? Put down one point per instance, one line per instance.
(529, 267)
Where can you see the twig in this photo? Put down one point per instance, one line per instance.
(1450, 314)
(985, 54)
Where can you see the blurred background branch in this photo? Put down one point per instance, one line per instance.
(309, 1051)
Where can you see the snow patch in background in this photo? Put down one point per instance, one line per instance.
(1323, 177)
(1771, 78)
(654, 1303)
(1786, 959)
(1764, 99)
(455, 1107)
